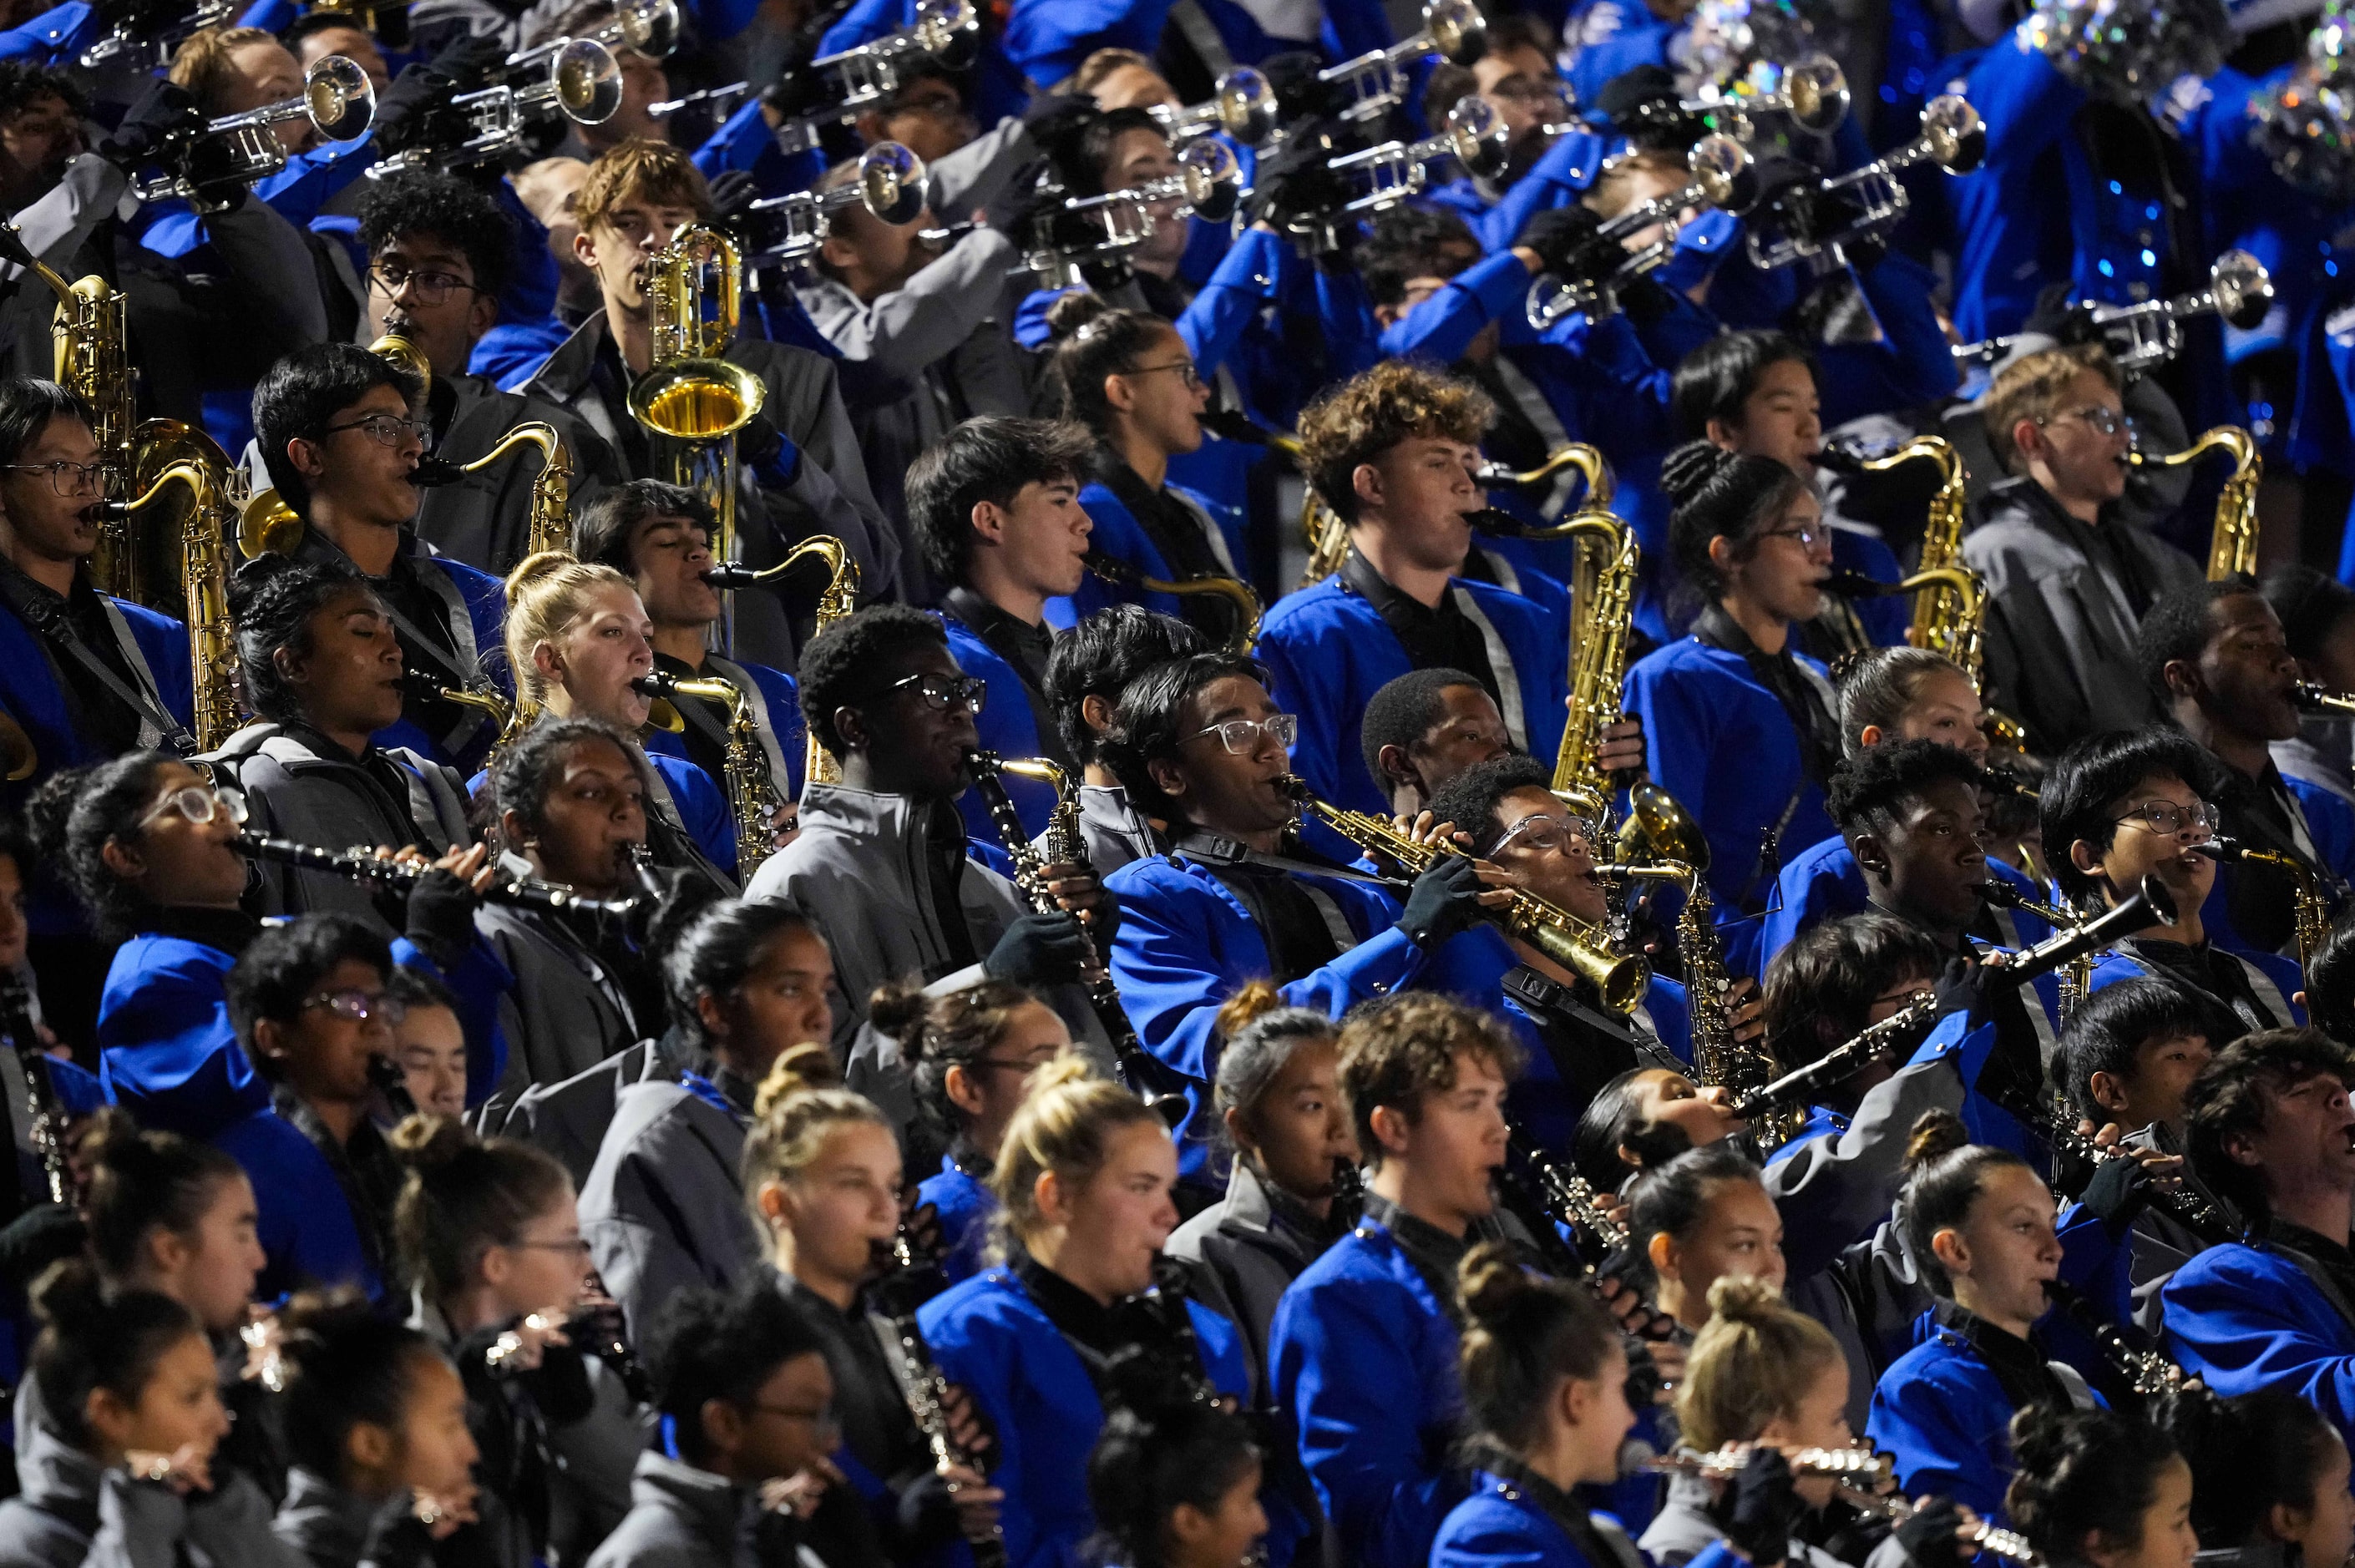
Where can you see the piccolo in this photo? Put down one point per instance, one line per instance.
(366, 865)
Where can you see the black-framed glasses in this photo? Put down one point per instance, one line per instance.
(384, 429)
(1186, 369)
(2168, 817)
(360, 1006)
(571, 1247)
(822, 1417)
(942, 693)
(66, 478)
(1545, 834)
(1809, 534)
(199, 804)
(1240, 737)
(2102, 421)
(430, 287)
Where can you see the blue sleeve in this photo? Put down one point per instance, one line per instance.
(1443, 326)
(2332, 821)
(865, 21)
(985, 1359)
(1344, 1370)
(1231, 301)
(167, 1051)
(1910, 366)
(1936, 1439)
(1564, 173)
(703, 808)
(270, 16)
(303, 1222)
(746, 141)
(56, 36)
(2243, 1320)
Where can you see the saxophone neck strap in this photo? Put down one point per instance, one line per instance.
(49, 617)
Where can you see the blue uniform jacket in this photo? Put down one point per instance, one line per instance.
(1723, 746)
(778, 691)
(2111, 967)
(1328, 651)
(1118, 533)
(55, 37)
(1822, 883)
(1186, 943)
(303, 1221)
(1541, 1099)
(1498, 1526)
(1008, 727)
(2246, 1318)
(1614, 37)
(1362, 1356)
(988, 1337)
(966, 1207)
(1939, 1412)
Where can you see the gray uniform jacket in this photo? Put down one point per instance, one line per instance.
(1241, 1255)
(1834, 1190)
(567, 1009)
(828, 494)
(144, 1524)
(52, 1521)
(569, 1119)
(292, 790)
(662, 1210)
(861, 874)
(326, 1524)
(2060, 639)
(681, 1517)
(1682, 1530)
(484, 518)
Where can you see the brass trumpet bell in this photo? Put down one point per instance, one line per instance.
(267, 527)
(697, 399)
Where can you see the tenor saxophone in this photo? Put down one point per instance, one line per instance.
(551, 489)
(2233, 541)
(188, 461)
(840, 597)
(1121, 574)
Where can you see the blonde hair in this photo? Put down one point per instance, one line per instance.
(1101, 63)
(1614, 191)
(1066, 1127)
(800, 1105)
(1754, 1360)
(547, 593)
(641, 169)
(202, 65)
(2033, 387)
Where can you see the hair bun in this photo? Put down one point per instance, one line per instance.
(532, 567)
(896, 1008)
(1742, 1299)
(1691, 468)
(798, 1069)
(1935, 1134)
(1252, 1001)
(1493, 1285)
(68, 1292)
(426, 1143)
(1074, 312)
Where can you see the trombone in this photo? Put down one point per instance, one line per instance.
(1722, 176)
(1377, 81)
(1953, 137)
(1242, 104)
(791, 227)
(581, 81)
(338, 99)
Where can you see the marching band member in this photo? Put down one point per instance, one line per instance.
(822, 1174)
(1392, 453)
(1363, 1349)
(1290, 1140)
(1701, 1217)
(1174, 1482)
(1088, 668)
(659, 536)
(340, 447)
(1425, 728)
(975, 1050)
(1739, 722)
(1130, 379)
(881, 867)
(321, 668)
(578, 639)
(2271, 1131)
(1084, 1177)
(2099, 1487)
(2062, 663)
(439, 257)
(430, 1043)
(802, 472)
(995, 506)
(2318, 620)
(1202, 748)
(2269, 1477)
(2120, 807)
(663, 1204)
(2217, 651)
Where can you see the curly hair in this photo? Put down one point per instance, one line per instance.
(2034, 387)
(451, 210)
(1367, 414)
(1867, 788)
(850, 660)
(1407, 1045)
(644, 170)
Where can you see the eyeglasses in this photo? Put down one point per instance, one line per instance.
(575, 1246)
(2167, 817)
(942, 693)
(64, 477)
(200, 805)
(429, 288)
(822, 1417)
(384, 430)
(2102, 421)
(359, 1006)
(1184, 367)
(1807, 536)
(1240, 737)
(1544, 833)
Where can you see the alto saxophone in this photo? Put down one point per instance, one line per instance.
(752, 797)
(840, 597)
(1719, 1059)
(1585, 950)
(1121, 574)
(2233, 541)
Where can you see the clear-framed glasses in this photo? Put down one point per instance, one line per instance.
(2101, 421)
(384, 429)
(1240, 737)
(571, 1247)
(359, 1006)
(427, 288)
(2168, 817)
(199, 804)
(1546, 834)
(942, 693)
(64, 477)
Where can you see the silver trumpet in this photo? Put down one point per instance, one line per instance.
(1377, 81)
(722, 101)
(149, 33)
(1242, 104)
(790, 229)
(1814, 94)
(648, 26)
(577, 78)
(2141, 337)
(1475, 137)
(1724, 176)
(1867, 202)
(238, 149)
(1207, 183)
(944, 31)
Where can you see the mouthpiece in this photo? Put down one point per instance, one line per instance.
(947, 234)
(1856, 585)
(2221, 849)
(653, 683)
(1229, 424)
(728, 575)
(432, 473)
(1496, 522)
(2000, 894)
(108, 511)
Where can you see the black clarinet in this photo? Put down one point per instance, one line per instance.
(365, 865)
(1137, 1064)
(2147, 1369)
(923, 1386)
(1163, 1302)
(46, 1118)
(393, 1082)
(2190, 1209)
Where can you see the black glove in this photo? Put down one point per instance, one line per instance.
(1758, 1508)
(417, 90)
(798, 92)
(732, 190)
(1928, 1536)
(441, 917)
(1963, 988)
(2117, 1193)
(1056, 124)
(162, 111)
(1444, 900)
(1564, 239)
(1298, 94)
(1039, 949)
(1296, 184)
(472, 61)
